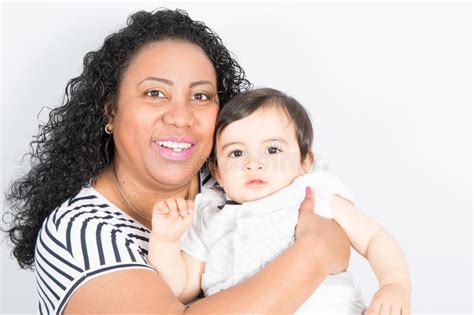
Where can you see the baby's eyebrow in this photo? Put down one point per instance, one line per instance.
(230, 143)
(275, 139)
(263, 141)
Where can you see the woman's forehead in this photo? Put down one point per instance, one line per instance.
(174, 60)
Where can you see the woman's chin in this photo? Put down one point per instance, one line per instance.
(174, 174)
(175, 179)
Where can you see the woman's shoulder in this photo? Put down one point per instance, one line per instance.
(83, 238)
(87, 207)
(89, 217)
(86, 204)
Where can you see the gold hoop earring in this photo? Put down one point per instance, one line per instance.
(108, 129)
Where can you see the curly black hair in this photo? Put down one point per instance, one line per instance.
(72, 147)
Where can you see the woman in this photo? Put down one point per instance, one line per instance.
(136, 127)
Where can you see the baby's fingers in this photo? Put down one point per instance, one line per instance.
(159, 215)
(406, 310)
(161, 208)
(173, 207)
(190, 206)
(395, 309)
(182, 206)
(384, 309)
(188, 219)
(373, 308)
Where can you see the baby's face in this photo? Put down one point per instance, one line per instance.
(258, 155)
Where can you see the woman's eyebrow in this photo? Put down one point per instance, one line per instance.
(169, 82)
(193, 84)
(162, 80)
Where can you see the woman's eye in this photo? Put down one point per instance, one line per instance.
(273, 150)
(200, 97)
(236, 153)
(155, 94)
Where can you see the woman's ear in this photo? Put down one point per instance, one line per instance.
(109, 112)
(308, 161)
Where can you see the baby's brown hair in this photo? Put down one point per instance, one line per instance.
(244, 104)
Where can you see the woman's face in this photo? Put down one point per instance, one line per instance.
(165, 114)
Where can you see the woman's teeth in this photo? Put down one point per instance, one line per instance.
(175, 146)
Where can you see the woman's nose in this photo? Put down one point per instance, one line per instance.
(179, 114)
(254, 163)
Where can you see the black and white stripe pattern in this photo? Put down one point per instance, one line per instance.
(84, 237)
(87, 236)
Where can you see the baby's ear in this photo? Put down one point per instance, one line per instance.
(212, 166)
(308, 161)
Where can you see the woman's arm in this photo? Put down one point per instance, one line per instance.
(281, 287)
(285, 283)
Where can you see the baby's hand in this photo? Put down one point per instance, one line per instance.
(171, 218)
(390, 299)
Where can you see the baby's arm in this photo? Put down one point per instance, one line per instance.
(182, 273)
(383, 253)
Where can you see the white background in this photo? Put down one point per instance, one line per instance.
(388, 87)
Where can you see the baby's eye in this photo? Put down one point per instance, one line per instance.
(155, 94)
(273, 150)
(200, 97)
(236, 153)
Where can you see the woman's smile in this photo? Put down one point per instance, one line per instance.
(175, 148)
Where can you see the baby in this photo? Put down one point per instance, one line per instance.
(262, 157)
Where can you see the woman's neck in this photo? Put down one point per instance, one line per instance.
(135, 199)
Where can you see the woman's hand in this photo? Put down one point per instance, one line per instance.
(390, 299)
(326, 235)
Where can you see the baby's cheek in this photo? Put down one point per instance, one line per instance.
(229, 167)
(287, 163)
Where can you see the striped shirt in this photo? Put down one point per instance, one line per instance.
(87, 236)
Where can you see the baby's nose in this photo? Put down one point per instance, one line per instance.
(254, 163)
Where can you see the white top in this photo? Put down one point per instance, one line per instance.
(237, 240)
